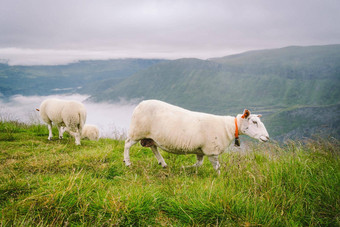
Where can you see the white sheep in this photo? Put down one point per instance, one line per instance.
(180, 131)
(90, 132)
(67, 115)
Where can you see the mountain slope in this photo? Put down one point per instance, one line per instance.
(255, 79)
(304, 122)
(45, 80)
(307, 62)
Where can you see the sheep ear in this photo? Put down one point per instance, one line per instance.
(246, 113)
(259, 115)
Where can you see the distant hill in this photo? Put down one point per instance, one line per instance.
(76, 77)
(301, 122)
(304, 62)
(276, 78)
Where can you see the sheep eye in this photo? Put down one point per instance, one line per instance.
(255, 122)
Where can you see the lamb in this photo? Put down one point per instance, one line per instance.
(90, 132)
(67, 115)
(157, 124)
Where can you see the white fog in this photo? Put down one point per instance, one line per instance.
(112, 119)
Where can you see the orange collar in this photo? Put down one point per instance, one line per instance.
(236, 128)
(237, 141)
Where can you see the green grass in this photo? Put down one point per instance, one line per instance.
(58, 183)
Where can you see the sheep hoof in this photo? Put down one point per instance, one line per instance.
(164, 166)
(49, 138)
(127, 163)
(60, 137)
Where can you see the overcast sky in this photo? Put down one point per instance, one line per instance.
(62, 31)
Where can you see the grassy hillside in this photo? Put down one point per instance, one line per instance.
(46, 80)
(299, 122)
(57, 183)
(278, 77)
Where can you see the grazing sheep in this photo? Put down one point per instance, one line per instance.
(180, 131)
(70, 115)
(90, 132)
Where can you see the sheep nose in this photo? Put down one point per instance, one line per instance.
(267, 137)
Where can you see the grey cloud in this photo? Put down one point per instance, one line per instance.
(165, 28)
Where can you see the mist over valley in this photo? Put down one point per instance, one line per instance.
(112, 119)
(296, 89)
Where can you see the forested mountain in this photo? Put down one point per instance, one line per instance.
(297, 89)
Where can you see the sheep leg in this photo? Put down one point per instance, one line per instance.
(61, 131)
(158, 156)
(75, 134)
(128, 144)
(215, 163)
(49, 125)
(199, 160)
(198, 163)
(77, 137)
